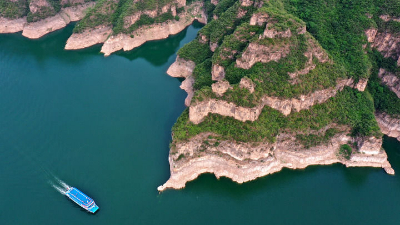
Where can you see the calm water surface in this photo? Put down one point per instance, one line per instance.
(103, 125)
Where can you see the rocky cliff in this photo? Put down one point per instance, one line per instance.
(44, 26)
(243, 162)
(199, 110)
(389, 125)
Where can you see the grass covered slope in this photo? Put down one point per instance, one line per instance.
(266, 42)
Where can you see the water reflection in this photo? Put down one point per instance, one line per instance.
(52, 46)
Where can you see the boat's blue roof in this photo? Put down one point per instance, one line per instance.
(81, 199)
(79, 196)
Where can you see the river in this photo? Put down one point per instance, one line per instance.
(103, 125)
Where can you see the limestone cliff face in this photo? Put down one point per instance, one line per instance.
(184, 68)
(390, 80)
(40, 28)
(261, 53)
(153, 32)
(198, 111)
(35, 6)
(12, 26)
(386, 43)
(243, 162)
(389, 125)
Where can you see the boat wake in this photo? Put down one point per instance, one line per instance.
(59, 185)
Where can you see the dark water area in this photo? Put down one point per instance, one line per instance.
(103, 125)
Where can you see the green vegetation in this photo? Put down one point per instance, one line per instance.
(102, 14)
(339, 27)
(195, 51)
(345, 151)
(384, 99)
(127, 8)
(13, 10)
(311, 140)
(350, 107)
(336, 26)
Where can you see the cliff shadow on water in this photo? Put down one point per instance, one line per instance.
(50, 46)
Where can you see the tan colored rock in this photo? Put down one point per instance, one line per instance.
(388, 18)
(45, 26)
(243, 162)
(36, 5)
(390, 80)
(181, 68)
(362, 84)
(72, 2)
(213, 46)
(220, 87)
(247, 83)
(12, 26)
(38, 29)
(389, 125)
(386, 43)
(246, 2)
(218, 72)
(260, 53)
(187, 85)
(272, 33)
(153, 32)
(259, 19)
(199, 110)
(184, 68)
(214, 2)
(370, 145)
(181, 3)
(77, 12)
(88, 38)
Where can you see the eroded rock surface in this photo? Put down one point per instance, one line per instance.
(88, 38)
(198, 111)
(390, 80)
(389, 125)
(386, 43)
(128, 42)
(243, 162)
(184, 68)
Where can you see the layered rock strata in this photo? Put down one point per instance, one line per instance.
(243, 162)
(40, 28)
(198, 111)
(184, 68)
(390, 80)
(389, 125)
(385, 42)
(128, 42)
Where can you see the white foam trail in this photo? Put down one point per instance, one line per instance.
(62, 183)
(58, 188)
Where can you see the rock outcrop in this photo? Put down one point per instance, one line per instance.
(184, 68)
(389, 125)
(390, 80)
(40, 28)
(243, 162)
(220, 87)
(385, 42)
(12, 26)
(198, 111)
(88, 38)
(260, 53)
(154, 32)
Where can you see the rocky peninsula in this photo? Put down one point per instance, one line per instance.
(269, 86)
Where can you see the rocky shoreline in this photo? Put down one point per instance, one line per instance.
(243, 162)
(40, 28)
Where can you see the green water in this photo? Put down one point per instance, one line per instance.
(103, 125)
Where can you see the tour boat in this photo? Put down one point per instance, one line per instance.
(81, 199)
